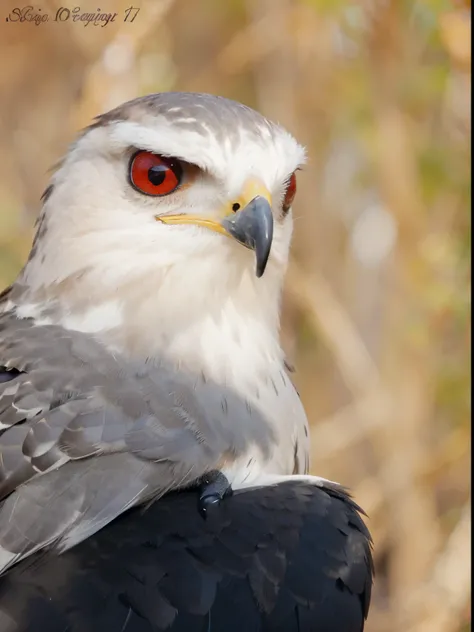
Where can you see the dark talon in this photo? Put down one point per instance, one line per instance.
(8, 374)
(213, 489)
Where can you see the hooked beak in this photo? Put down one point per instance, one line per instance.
(251, 225)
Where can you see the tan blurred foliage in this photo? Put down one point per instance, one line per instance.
(377, 305)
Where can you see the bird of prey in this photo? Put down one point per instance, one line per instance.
(140, 343)
(139, 362)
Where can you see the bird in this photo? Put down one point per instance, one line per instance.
(142, 335)
(143, 385)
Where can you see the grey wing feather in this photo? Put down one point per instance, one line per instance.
(84, 435)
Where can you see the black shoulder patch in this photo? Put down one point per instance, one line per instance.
(262, 563)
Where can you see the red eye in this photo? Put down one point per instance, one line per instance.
(155, 175)
(290, 193)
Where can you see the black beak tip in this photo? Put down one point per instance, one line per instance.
(261, 264)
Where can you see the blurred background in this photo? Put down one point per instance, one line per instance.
(377, 301)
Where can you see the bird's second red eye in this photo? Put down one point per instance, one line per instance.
(290, 193)
(155, 175)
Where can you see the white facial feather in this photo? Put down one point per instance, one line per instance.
(110, 239)
(103, 246)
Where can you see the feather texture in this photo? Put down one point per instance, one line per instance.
(294, 557)
(86, 434)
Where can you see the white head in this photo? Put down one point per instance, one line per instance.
(144, 262)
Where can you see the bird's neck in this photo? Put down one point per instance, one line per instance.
(225, 327)
(228, 333)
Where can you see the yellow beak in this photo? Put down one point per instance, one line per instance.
(248, 219)
(251, 189)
